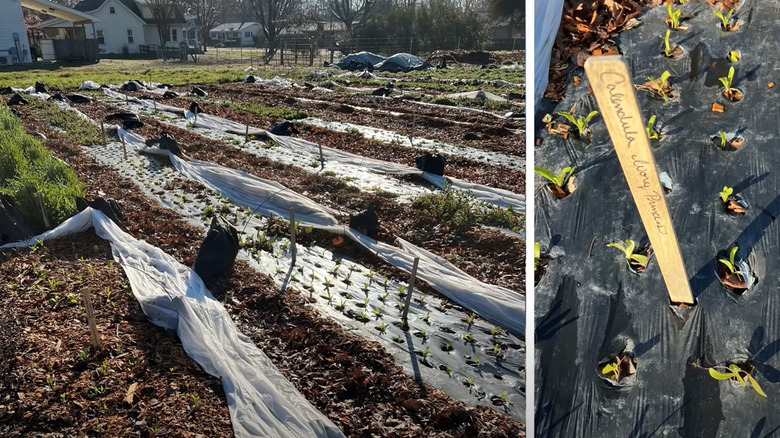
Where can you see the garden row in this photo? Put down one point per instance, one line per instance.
(144, 221)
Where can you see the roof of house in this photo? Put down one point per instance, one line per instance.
(234, 27)
(132, 5)
(59, 11)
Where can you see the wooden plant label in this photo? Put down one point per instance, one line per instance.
(614, 92)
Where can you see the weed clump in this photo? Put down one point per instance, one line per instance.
(27, 168)
(458, 210)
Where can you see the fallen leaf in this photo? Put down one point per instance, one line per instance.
(131, 393)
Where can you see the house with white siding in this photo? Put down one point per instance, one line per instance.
(123, 26)
(244, 33)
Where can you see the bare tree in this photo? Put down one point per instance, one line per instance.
(163, 12)
(275, 16)
(351, 12)
(206, 14)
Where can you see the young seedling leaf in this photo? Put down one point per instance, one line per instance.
(651, 134)
(630, 245)
(728, 265)
(755, 385)
(568, 116)
(733, 56)
(732, 254)
(728, 80)
(590, 116)
(667, 47)
(725, 193)
(717, 375)
(639, 258)
(611, 368)
(545, 173)
(723, 138)
(736, 371)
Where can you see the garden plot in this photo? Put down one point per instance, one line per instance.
(487, 157)
(477, 369)
(353, 168)
(354, 174)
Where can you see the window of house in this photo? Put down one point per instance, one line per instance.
(247, 34)
(130, 36)
(214, 35)
(111, 10)
(235, 34)
(174, 35)
(101, 39)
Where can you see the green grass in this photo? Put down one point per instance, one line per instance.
(475, 103)
(285, 113)
(459, 211)
(118, 71)
(26, 168)
(76, 128)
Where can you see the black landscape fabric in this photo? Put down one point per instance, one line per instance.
(590, 307)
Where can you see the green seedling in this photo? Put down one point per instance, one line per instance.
(447, 369)
(725, 193)
(559, 179)
(469, 338)
(580, 122)
(661, 83)
(196, 401)
(730, 264)
(728, 80)
(537, 254)
(382, 328)
(427, 316)
(723, 139)
(628, 250)
(377, 311)
(496, 349)
(470, 319)
(735, 372)
(425, 351)
(733, 56)
(649, 129)
(667, 46)
(84, 355)
(673, 17)
(724, 19)
(613, 368)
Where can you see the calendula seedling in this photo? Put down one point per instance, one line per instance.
(673, 17)
(724, 19)
(667, 46)
(733, 56)
(730, 264)
(725, 193)
(559, 181)
(580, 122)
(649, 129)
(613, 368)
(735, 372)
(728, 80)
(660, 85)
(628, 251)
(730, 92)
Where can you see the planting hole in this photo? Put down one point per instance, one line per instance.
(733, 273)
(619, 368)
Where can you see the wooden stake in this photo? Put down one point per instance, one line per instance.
(322, 158)
(614, 90)
(246, 136)
(404, 320)
(103, 133)
(155, 104)
(43, 209)
(124, 147)
(293, 246)
(93, 331)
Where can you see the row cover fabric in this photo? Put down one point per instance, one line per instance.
(590, 306)
(261, 401)
(359, 59)
(499, 197)
(494, 303)
(547, 19)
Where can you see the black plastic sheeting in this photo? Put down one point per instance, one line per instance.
(12, 226)
(285, 128)
(129, 120)
(590, 307)
(109, 207)
(431, 163)
(366, 221)
(218, 251)
(165, 141)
